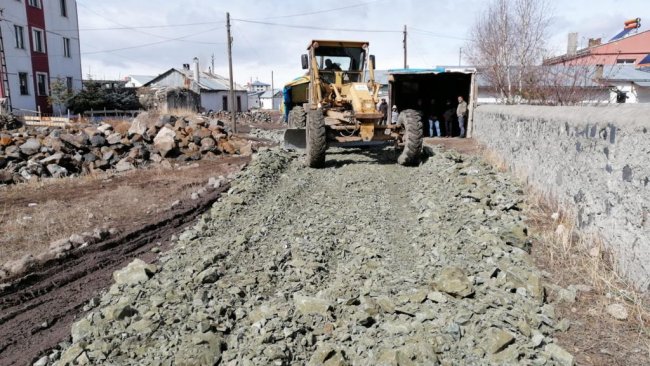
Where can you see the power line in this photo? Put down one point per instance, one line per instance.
(321, 11)
(318, 28)
(139, 31)
(193, 24)
(151, 43)
(437, 35)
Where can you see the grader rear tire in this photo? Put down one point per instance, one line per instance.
(297, 117)
(412, 138)
(316, 139)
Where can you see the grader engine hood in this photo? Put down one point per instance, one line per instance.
(362, 102)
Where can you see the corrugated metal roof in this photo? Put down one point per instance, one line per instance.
(645, 84)
(207, 81)
(259, 83)
(267, 94)
(142, 78)
(625, 73)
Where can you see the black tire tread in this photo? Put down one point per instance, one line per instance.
(316, 139)
(297, 117)
(412, 138)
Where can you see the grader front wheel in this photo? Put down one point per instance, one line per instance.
(316, 139)
(297, 117)
(412, 138)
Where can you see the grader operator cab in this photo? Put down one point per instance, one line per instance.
(334, 105)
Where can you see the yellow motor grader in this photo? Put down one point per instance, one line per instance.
(335, 105)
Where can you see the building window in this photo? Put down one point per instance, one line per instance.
(238, 103)
(625, 61)
(22, 79)
(66, 47)
(64, 8)
(41, 84)
(224, 100)
(35, 3)
(20, 37)
(68, 83)
(39, 44)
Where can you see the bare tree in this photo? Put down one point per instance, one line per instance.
(508, 40)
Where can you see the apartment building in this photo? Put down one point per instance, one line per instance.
(41, 43)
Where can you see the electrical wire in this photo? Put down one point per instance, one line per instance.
(151, 43)
(162, 26)
(321, 11)
(316, 27)
(437, 35)
(142, 32)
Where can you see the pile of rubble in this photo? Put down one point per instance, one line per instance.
(28, 153)
(8, 122)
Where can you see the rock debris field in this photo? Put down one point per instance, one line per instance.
(364, 262)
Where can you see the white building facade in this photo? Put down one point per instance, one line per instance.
(41, 43)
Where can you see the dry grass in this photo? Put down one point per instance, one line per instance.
(181, 112)
(126, 201)
(572, 257)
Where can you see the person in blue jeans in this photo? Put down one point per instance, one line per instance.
(434, 122)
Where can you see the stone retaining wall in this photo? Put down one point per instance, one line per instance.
(596, 159)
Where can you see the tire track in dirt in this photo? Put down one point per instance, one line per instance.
(37, 310)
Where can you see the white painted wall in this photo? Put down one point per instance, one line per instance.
(214, 100)
(59, 27)
(254, 101)
(266, 103)
(642, 94)
(18, 60)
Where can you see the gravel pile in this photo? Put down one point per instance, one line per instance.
(276, 136)
(363, 262)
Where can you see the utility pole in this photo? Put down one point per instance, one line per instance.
(233, 120)
(272, 92)
(406, 66)
(460, 55)
(3, 68)
(212, 64)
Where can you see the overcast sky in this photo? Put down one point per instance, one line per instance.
(147, 37)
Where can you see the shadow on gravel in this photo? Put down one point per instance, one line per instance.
(375, 155)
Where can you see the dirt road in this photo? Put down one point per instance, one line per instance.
(363, 262)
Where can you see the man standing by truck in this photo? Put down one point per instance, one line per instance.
(461, 113)
(383, 109)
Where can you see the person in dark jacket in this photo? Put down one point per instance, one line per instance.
(448, 116)
(383, 108)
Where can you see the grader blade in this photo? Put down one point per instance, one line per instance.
(295, 138)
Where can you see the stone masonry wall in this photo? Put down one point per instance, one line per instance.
(596, 159)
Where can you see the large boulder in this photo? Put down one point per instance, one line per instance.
(453, 281)
(114, 138)
(57, 171)
(140, 124)
(79, 141)
(97, 140)
(30, 147)
(136, 272)
(208, 144)
(6, 140)
(164, 142)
